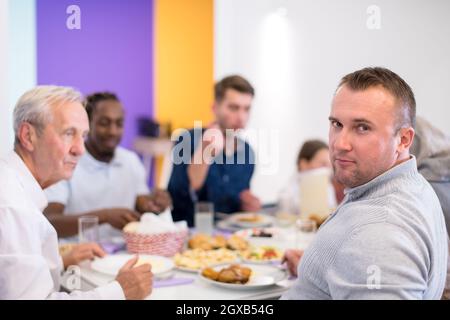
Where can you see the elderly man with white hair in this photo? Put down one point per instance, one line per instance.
(50, 125)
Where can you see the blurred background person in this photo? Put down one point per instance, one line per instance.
(219, 176)
(431, 147)
(314, 154)
(109, 181)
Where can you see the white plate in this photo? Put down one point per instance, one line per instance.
(185, 269)
(264, 222)
(274, 262)
(111, 264)
(226, 225)
(263, 276)
(248, 233)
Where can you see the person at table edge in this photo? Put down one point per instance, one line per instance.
(50, 125)
(387, 239)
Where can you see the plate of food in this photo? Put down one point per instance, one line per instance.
(257, 233)
(262, 254)
(250, 220)
(207, 242)
(242, 276)
(193, 260)
(111, 264)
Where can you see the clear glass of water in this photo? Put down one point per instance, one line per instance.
(204, 217)
(88, 229)
(305, 229)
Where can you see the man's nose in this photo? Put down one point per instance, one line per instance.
(114, 130)
(78, 147)
(342, 141)
(242, 118)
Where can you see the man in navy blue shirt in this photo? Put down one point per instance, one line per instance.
(213, 164)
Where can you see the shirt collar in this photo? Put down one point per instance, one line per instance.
(116, 161)
(408, 167)
(28, 181)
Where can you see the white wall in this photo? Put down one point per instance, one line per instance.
(295, 52)
(4, 72)
(17, 60)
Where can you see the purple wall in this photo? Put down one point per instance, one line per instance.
(113, 51)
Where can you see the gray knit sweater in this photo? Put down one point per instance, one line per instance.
(387, 240)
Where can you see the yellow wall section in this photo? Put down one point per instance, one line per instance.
(184, 61)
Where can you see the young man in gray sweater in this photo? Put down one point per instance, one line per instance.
(387, 239)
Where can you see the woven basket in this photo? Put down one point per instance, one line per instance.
(162, 244)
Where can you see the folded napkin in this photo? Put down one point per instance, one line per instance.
(151, 223)
(111, 247)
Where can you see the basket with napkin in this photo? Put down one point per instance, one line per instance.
(156, 235)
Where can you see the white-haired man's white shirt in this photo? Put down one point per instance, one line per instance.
(99, 185)
(30, 264)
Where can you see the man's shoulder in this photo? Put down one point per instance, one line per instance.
(5, 170)
(390, 218)
(413, 199)
(10, 184)
(365, 219)
(128, 159)
(124, 154)
(363, 211)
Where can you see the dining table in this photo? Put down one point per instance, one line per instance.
(187, 285)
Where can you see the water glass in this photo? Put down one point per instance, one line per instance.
(204, 217)
(88, 229)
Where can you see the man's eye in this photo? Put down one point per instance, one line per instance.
(69, 133)
(335, 124)
(362, 128)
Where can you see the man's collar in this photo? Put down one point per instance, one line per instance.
(28, 181)
(408, 167)
(116, 160)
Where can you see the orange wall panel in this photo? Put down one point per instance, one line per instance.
(184, 60)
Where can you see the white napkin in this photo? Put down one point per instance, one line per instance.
(153, 224)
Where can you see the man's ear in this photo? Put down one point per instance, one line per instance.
(214, 107)
(27, 136)
(406, 136)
